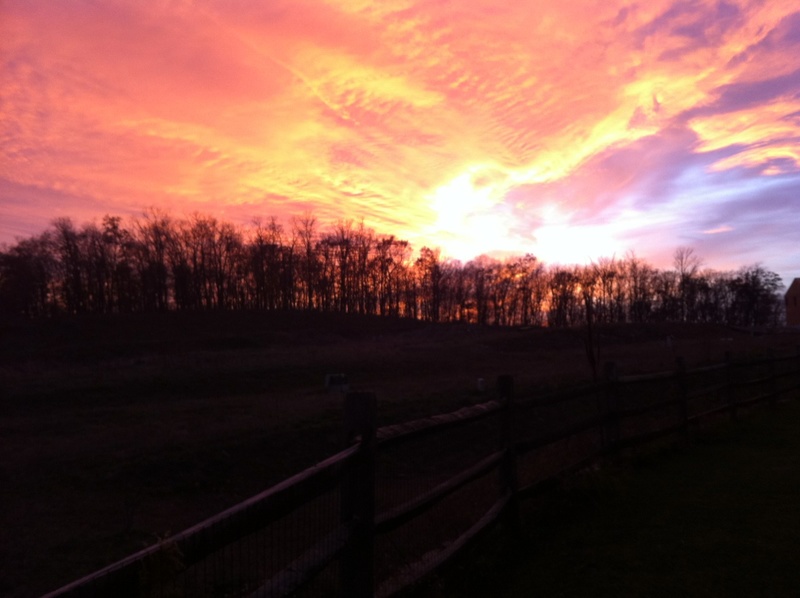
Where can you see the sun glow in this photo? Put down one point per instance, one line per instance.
(472, 216)
(564, 244)
(461, 199)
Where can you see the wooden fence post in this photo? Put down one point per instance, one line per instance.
(610, 406)
(730, 390)
(358, 496)
(508, 469)
(683, 394)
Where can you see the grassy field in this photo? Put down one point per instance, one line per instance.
(719, 517)
(117, 431)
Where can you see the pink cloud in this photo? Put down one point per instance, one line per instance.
(718, 230)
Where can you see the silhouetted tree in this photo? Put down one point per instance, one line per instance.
(161, 263)
(686, 264)
(429, 273)
(155, 233)
(756, 298)
(305, 230)
(562, 287)
(28, 277)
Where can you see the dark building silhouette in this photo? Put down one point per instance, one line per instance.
(793, 303)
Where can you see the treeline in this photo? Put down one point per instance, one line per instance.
(159, 263)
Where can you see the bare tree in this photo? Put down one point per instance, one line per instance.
(160, 263)
(429, 275)
(28, 272)
(686, 263)
(305, 229)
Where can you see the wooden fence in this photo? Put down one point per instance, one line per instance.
(519, 446)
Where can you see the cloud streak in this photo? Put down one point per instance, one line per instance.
(569, 130)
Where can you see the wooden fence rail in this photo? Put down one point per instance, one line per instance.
(125, 578)
(621, 412)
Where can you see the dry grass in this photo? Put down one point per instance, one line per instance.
(115, 431)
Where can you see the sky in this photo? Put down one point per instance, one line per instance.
(570, 130)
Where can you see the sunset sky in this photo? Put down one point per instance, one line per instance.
(572, 130)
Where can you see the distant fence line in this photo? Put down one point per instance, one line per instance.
(348, 504)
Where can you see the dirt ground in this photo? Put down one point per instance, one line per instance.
(117, 431)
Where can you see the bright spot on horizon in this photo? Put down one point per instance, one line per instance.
(471, 219)
(563, 244)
